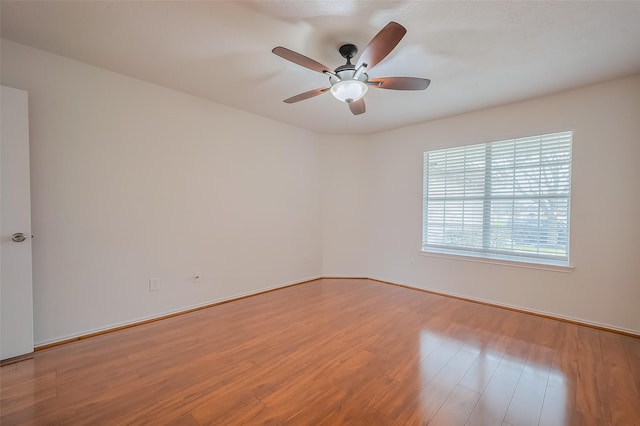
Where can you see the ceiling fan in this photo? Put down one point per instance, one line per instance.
(349, 82)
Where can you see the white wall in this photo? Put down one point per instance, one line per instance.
(344, 205)
(131, 181)
(604, 287)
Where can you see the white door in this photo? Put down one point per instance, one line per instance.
(16, 291)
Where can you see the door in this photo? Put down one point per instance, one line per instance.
(16, 291)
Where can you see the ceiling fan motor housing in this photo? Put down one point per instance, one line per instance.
(347, 71)
(346, 74)
(348, 51)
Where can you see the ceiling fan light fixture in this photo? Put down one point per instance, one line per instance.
(349, 90)
(350, 82)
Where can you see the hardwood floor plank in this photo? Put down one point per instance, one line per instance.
(437, 390)
(632, 350)
(406, 366)
(457, 408)
(430, 367)
(25, 394)
(480, 373)
(556, 408)
(494, 401)
(590, 384)
(559, 406)
(333, 352)
(233, 408)
(183, 420)
(386, 397)
(526, 404)
(624, 398)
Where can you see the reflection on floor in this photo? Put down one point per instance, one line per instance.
(465, 383)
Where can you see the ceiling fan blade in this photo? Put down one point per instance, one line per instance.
(381, 45)
(299, 59)
(305, 95)
(357, 107)
(400, 83)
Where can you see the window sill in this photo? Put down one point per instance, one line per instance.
(512, 261)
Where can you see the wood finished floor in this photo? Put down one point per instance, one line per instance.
(334, 352)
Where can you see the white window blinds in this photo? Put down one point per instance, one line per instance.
(502, 198)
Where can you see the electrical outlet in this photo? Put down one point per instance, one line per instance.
(196, 278)
(412, 262)
(154, 284)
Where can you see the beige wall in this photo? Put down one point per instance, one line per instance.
(604, 287)
(132, 181)
(344, 205)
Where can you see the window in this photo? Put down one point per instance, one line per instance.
(507, 199)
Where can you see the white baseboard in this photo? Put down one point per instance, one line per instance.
(345, 277)
(516, 307)
(133, 322)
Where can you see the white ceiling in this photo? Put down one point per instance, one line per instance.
(477, 54)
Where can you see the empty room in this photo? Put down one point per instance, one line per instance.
(320, 213)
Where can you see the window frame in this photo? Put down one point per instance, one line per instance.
(486, 254)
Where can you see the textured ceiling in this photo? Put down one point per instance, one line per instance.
(477, 54)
